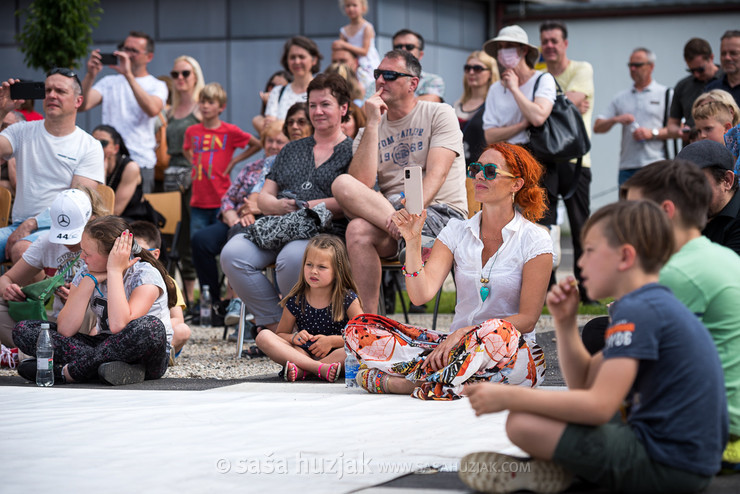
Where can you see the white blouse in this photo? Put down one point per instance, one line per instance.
(278, 105)
(523, 240)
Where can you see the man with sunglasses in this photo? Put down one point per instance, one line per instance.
(51, 155)
(641, 110)
(401, 131)
(431, 86)
(701, 68)
(131, 99)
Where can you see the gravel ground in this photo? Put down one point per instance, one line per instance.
(208, 356)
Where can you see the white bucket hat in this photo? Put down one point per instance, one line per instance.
(512, 34)
(70, 212)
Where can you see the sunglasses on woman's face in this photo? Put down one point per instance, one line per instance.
(185, 74)
(490, 171)
(475, 68)
(104, 143)
(389, 75)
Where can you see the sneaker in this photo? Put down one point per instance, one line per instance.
(27, 370)
(119, 373)
(499, 473)
(233, 311)
(248, 330)
(731, 456)
(8, 357)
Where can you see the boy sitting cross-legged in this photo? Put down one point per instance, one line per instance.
(659, 368)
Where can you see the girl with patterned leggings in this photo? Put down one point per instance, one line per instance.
(128, 291)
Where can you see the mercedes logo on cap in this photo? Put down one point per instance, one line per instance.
(63, 220)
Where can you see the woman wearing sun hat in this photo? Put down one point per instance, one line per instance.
(510, 105)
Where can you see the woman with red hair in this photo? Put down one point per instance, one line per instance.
(502, 263)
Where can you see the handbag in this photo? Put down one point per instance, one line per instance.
(562, 137)
(273, 232)
(163, 157)
(37, 296)
(178, 178)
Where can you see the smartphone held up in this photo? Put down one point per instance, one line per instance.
(28, 90)
(412, 189)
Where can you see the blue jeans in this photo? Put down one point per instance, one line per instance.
(201, 218)
(624, 175)
(7, 231)
(206, 245)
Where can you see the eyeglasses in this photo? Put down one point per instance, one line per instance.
(698, 70)
(389, 75)
(475, 68)
(104, 142)
(130, 50)
(296, 121)
(405, 46)
(490, 171)
(636, 65)
(66, 73)
(176, 75)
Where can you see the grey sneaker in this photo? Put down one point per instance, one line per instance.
(233, 311)
(499, 473)
(119, 373)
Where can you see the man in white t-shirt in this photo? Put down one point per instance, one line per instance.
(401, 131)
(51, 155)
(131, 99)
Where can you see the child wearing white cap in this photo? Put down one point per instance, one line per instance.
(130, 293)
(52, 252)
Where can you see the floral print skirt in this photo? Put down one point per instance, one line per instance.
(493, 351)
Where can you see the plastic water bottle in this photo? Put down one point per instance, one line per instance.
(351, 366)
(205, 306)
(44, 357)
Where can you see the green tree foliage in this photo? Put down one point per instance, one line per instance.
(57, 32)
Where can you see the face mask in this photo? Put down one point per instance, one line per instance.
(508, 57)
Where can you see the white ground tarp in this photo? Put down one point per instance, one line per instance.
(252, 437)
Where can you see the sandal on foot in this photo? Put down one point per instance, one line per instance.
(336, 367)
(290, 366)
(372, 380)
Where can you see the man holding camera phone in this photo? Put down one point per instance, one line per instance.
(51, 155)
(401, 131)
(131, 99)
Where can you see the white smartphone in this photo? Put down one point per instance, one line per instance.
(412, 189)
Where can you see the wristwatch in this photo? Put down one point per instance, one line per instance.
(655, 133)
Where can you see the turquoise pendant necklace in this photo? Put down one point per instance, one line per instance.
(484, 290)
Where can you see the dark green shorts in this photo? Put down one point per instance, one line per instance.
(611, 456)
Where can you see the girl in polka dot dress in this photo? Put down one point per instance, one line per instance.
(309, 336)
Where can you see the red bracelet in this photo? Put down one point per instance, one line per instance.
(414, 274)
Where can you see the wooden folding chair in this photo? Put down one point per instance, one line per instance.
(6, 200)
(169, 205)
(108, 196)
